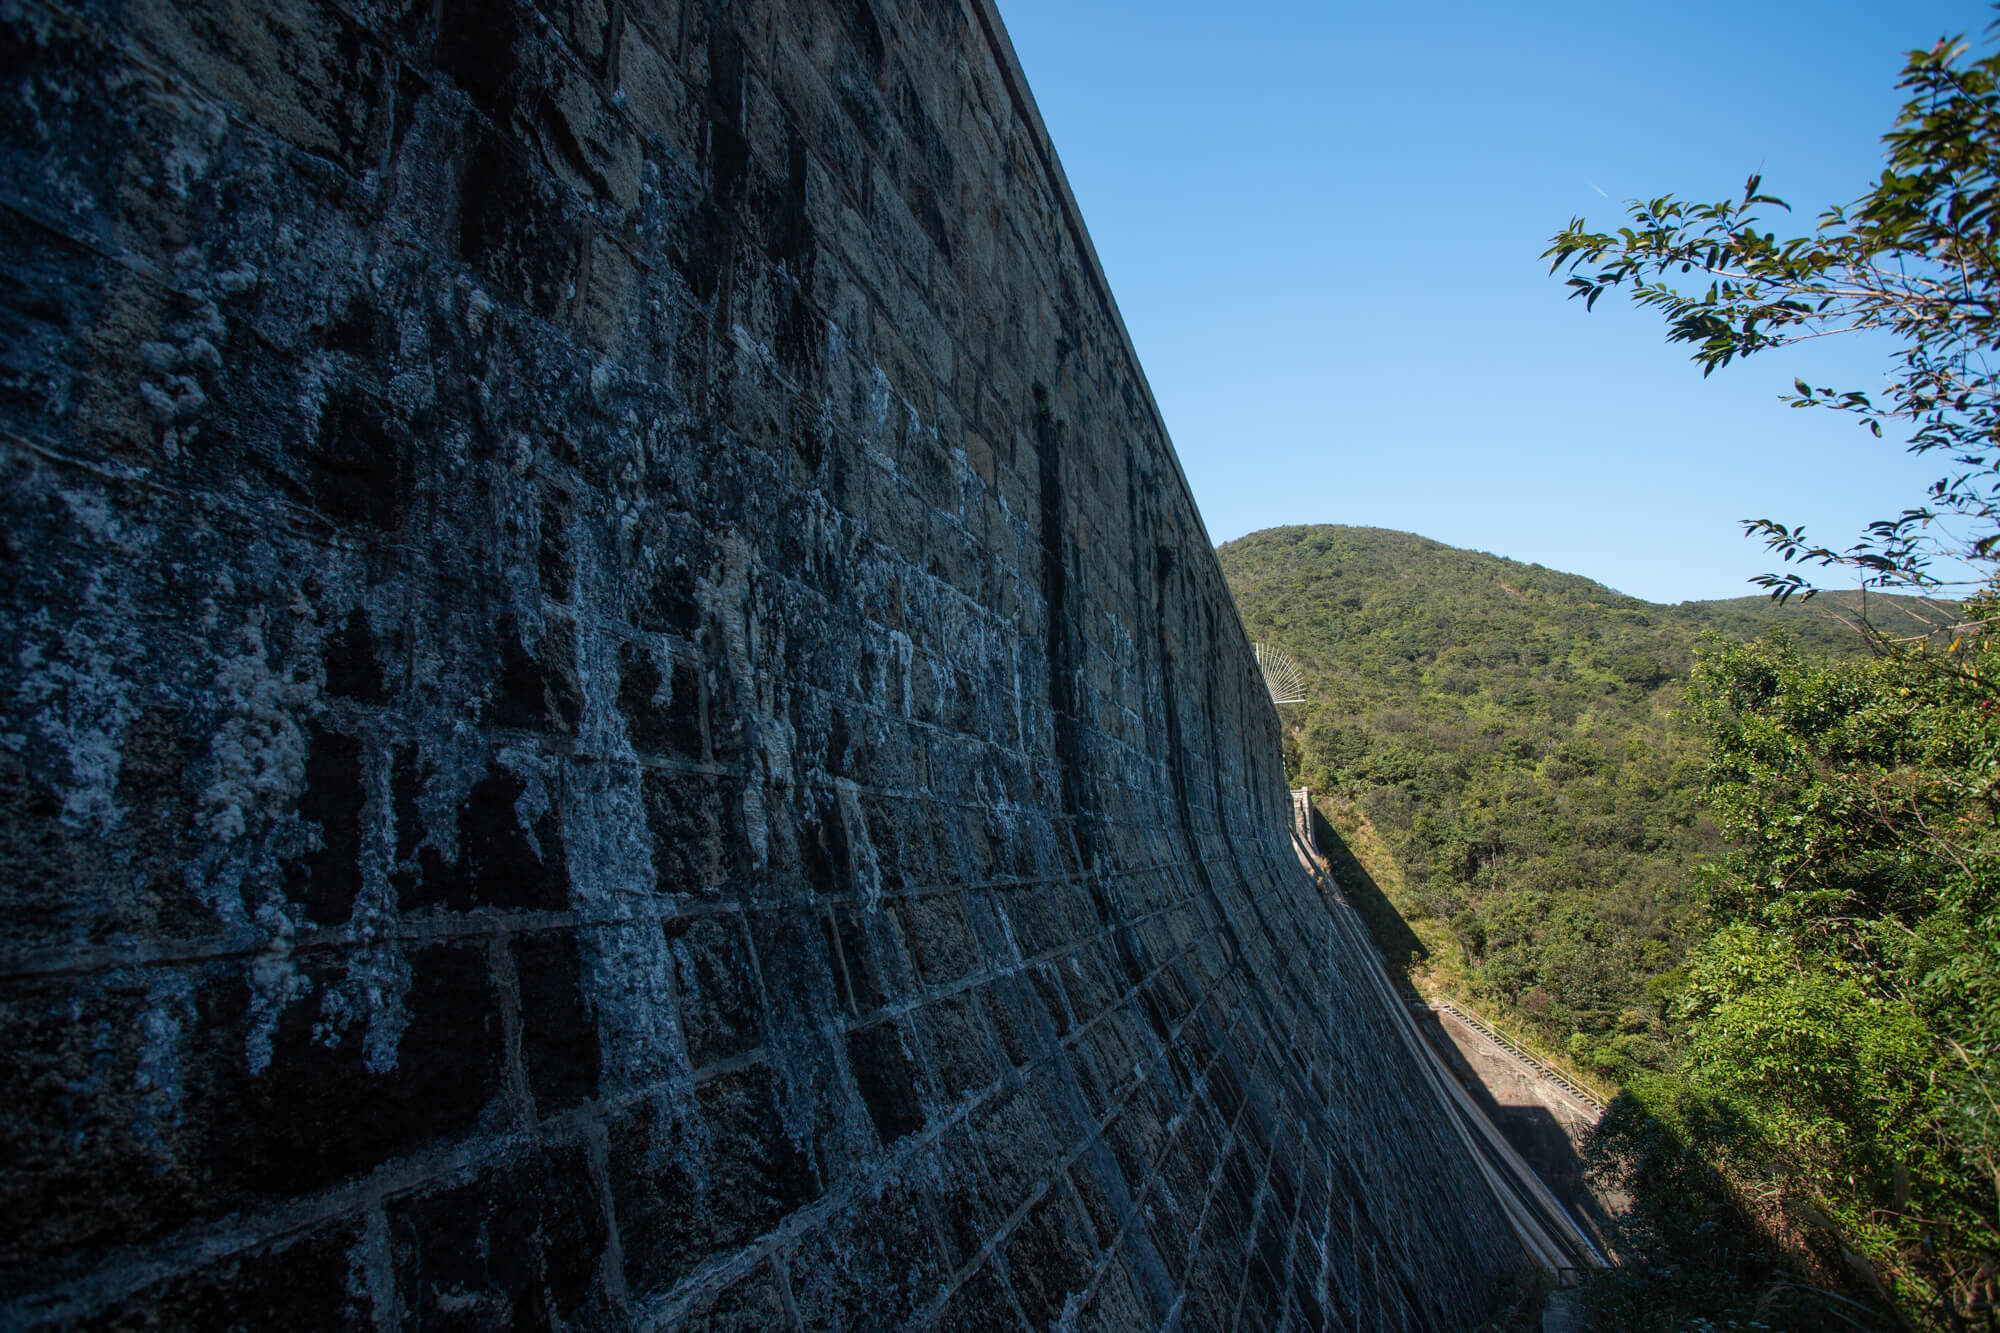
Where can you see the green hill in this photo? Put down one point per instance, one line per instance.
(1494, 743)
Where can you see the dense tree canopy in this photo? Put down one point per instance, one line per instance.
(1494, 739)
(1834, 1033)
(1751, 879)
(1837, 1031)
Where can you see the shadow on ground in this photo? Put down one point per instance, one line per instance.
(1693, 1255)
(1536, 1134)
(1394, 940)
(1539, 1137)
(1534, 1131)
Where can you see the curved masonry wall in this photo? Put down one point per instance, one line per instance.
(616, 713)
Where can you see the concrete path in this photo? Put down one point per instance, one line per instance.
(1543, 1116)
(1564, 1314)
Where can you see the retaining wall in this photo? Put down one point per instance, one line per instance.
(614, 712)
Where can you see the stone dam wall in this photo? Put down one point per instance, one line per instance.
(614, 712)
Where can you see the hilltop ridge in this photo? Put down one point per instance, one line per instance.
(1495, 742)
(1294, 578)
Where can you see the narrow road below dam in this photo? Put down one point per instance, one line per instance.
(1548, 1230)
(1525, 1121)
(1544, 1116)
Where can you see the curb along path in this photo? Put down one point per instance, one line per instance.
(1513, 1048)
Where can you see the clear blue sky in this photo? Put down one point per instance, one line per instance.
(1322, 222)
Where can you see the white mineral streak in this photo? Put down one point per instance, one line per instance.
(1014, 949)
(862, 861)
(536, 771)
(371, 993)
(157, 1077)
(275, 982)
(730, 600)
(378, 982)
(478, 310)
(88, 710)
(628, 984)
(881, 393)
(627, 971)
(259, 752)
(906, 653)
(74, 680)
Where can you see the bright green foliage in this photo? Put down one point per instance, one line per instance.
(1916, 257)
(1839, 1021)
(1694, 1258)
(1843, 1009)
(1755, 882)
(1505, 729)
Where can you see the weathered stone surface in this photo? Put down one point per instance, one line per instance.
(614, 713)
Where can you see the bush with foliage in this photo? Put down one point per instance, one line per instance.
(1495, 739)
(1917, 258)
(1839, 1019)
(1844, 1005)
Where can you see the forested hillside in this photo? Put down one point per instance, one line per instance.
(1494, 742)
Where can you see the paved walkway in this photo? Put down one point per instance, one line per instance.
(1564, 1314)
(1543, 1116)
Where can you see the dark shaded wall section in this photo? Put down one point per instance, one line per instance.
(613, 711)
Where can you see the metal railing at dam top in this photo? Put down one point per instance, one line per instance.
(1552, 1238)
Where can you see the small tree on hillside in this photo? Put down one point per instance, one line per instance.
(1838, 1028)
